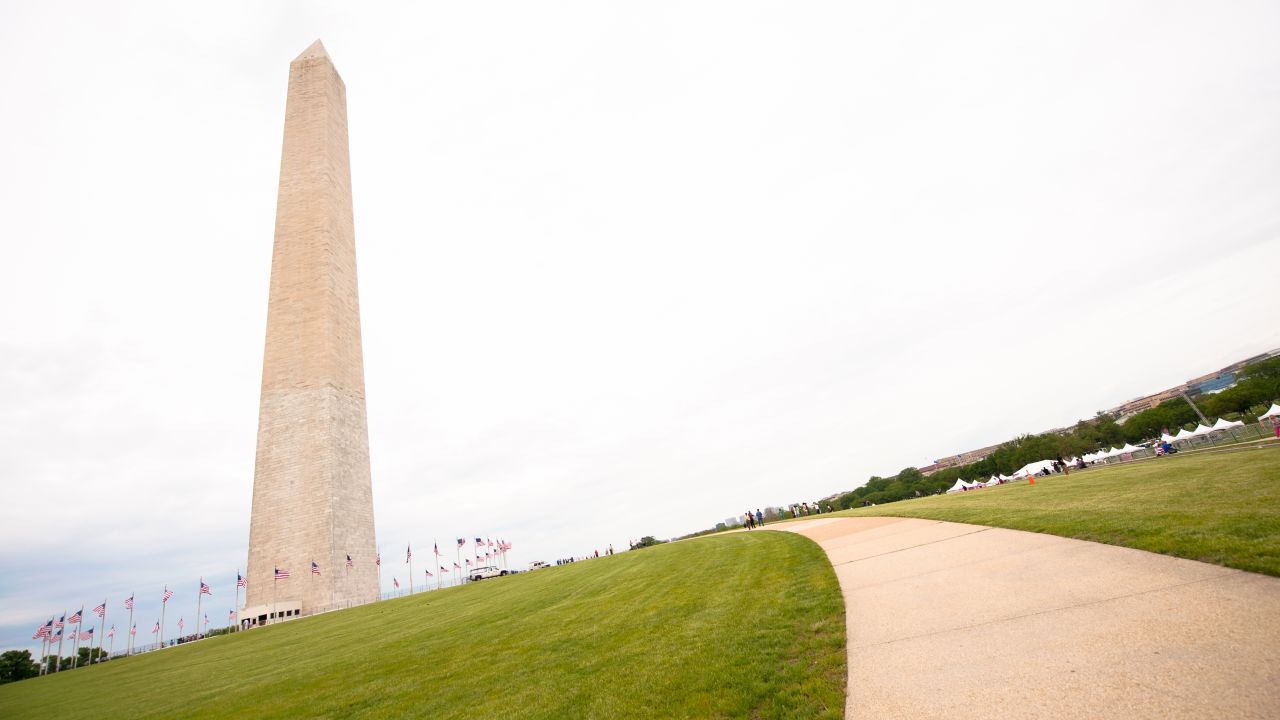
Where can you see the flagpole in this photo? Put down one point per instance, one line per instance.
(129, 643)
(409, 559)
(199, 597)
(163, 604)
(236, 607)
(110, 648)
(75, 657)
(104, 624)
(44, 653)
(62, 633)
(274, 580)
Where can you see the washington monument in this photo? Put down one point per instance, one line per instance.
(312, 492)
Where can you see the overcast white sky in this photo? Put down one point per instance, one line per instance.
(625, 269)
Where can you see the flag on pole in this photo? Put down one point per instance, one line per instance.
(241, 581)
(101, 610)
(491, 542)
(44, 630)
(204, 588)
(408, 553)
(479, 541)
(396, 583)
(428, 572)
(444, 569)
(167, 594)
(180, 625)
(468, 562)
(315, 569)
(282, 574)
(128, 604)
(437, 548)
(349, 562)
(56, 638)
(206, 620)
(231, 615)
(456, 566)
(112, 632)
(377, 559)
(462, 541)
(76, 616)
(61, 621)
(87, 634)
(134, 630)
(156, 629)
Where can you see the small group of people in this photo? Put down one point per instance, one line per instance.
(752, 520)
(802, 509)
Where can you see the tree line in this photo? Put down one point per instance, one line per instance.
(1258, 385)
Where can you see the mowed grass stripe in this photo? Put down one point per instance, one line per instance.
(743, 625)
(1221, 508)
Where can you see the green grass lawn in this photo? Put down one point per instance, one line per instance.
(1220, 507)
(745, 625)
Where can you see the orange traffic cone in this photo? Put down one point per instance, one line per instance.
(1031, 479)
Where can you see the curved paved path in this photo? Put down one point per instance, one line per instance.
(965, 621)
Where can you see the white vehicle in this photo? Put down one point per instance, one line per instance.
(537, 565)
(486, 571)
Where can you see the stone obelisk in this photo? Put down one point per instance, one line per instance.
(312, 492)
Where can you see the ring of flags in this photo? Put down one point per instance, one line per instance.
(52, 630)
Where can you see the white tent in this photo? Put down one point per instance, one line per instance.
(1033, 468)
(993, 481)
(1224, 424)
(1183, 434)
(1273, 412)
(1167, 437)
(960, 485)
(1129, 448)
(1202, 429)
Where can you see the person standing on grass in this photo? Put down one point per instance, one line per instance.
(759, 517)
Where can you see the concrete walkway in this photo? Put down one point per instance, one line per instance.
(964, 621)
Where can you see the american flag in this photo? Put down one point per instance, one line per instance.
(87, 634)
(58, 625)
(486, 556)
(349, 562)
(396, 583)
(408, 553)
(180, 624)
(44, 630)
(204, 588)
(167, 594)
(56, 638)
(462, 541)
(112, 632)
(231, 615)
(315, 569)
(282, 574)
(76, 617)
(436, 545)
(377, 559)
(444, 569)
(241, 581)
(428, 572)
(128, 604)
(456, 566)
(134, 630)
(206, 619)
(156, 629)
(490, 543)
(101, 610)
(479, 541)
(468, 562)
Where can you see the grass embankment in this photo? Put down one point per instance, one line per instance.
(746, 625)
(1221, 508)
